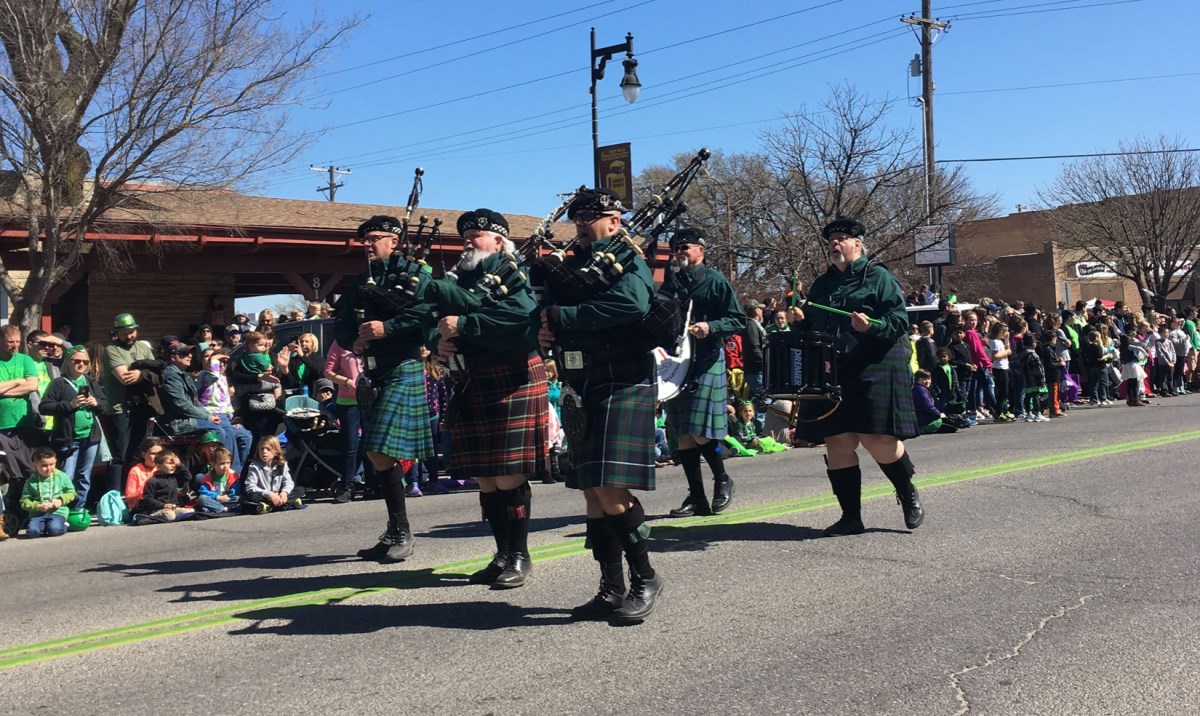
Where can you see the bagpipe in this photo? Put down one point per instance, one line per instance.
(402, 272)
(570, 286)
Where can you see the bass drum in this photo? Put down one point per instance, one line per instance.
(673, 371)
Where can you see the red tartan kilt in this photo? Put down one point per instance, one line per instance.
(501, 425)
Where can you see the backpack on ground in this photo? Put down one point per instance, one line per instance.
(112, 510)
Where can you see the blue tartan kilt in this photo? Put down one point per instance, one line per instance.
(877, 400)
(702, 412)
(399, 423)
(618, 447)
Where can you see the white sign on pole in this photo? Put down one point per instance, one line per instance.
(936, 245)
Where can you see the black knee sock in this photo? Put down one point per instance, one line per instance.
(715, 462)
(899, 473)
(631, 529)
(690, 460)
(847, 487)
(392, 483)
(494, 513)
(516, 504)
(605, 545)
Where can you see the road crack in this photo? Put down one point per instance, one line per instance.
(1094, 510)
(964, 704)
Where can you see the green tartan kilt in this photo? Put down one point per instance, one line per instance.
(398, 426)
(618, 448)
(702, 412)
(875, 401)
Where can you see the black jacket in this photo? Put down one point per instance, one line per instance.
(180, 401)
(753, 339)
(57, 402)
(160, 490)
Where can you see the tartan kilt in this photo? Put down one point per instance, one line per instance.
(618, 450)
(702, 412)
(877, 400)
(398, 426)
(501, 423)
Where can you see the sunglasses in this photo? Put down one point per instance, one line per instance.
(587, 217)
(46, 345)
(83, 361)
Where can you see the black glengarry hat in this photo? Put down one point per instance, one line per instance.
(390, 224)
(688, 235)
(844, 225)
(599, 201)
(483, 220)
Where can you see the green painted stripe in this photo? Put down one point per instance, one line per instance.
(237, 613)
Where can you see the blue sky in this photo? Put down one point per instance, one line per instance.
(539, 143)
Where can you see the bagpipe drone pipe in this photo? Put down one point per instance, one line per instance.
(402, 271)
(570, 286)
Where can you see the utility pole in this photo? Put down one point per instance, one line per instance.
(928, 25)
(334, 185)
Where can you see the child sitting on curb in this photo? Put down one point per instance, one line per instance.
(267, 485)
(743, 435)
(46, 495)
(219, 488)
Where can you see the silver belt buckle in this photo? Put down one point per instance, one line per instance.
(370, 362)
(573, 360)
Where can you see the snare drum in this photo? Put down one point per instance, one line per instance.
(802, 365)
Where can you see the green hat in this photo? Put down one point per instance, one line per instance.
(125, 320)
(210, 437)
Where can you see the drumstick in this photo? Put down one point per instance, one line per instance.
(840, 312)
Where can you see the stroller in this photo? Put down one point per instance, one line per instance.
(313, 444)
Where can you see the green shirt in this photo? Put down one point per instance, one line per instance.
(15, 412)
(56, 487)
(596, 323)
(43, 376)
(83, 416)
(505, 325)
(115, 355)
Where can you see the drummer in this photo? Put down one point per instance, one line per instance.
(876, 380)
(697, 416)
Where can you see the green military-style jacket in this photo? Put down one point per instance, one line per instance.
(403, 333)
(595, 324)
(506, 326)
(713, 301)
(863, 287)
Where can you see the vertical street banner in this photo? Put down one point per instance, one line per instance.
(616, 171)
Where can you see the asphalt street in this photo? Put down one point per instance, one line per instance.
(1056, 573)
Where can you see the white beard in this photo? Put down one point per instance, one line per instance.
(679, 263)
(470, 260)
(837, 258)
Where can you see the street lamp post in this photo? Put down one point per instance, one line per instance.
(630, 87)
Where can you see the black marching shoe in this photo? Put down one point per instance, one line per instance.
(692, 505)
(343, 495)
(488, 574)
(608, 600)
(401, 549)
(910, 502)
(517, 571)
(845, 526)
(639, 603)
(722, 494)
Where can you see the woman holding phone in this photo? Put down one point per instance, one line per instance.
(300, 363)
(76, 399)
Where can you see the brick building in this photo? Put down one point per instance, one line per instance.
(1019, 258)
(189, 255)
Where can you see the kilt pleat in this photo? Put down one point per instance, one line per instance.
(399, 423)
(702, 412)
(501, 424)
(618, 448)
(876, 401)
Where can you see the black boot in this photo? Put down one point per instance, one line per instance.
(516, 511)
(386, 539)
(392, 483)
(900, 474)
(696, 503)
(645, 583)
(722, 493)
(495, 514)
(606, 549)
(608, 599)
(847, 487)
(722, 483)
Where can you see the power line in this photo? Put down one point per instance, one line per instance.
(459, 41)
(1070, 84)
(490, 48)
(971, 16)
(1066, 156)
